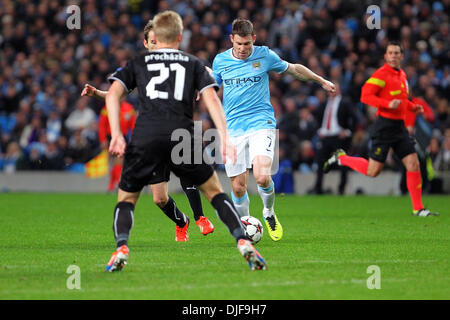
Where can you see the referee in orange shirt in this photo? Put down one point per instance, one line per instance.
(127, 121)
(387, 90)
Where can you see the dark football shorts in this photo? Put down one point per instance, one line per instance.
(151, 163)
(388, 133)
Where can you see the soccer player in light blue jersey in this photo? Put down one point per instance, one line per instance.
(243, 71)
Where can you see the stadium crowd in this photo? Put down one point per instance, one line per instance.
(46, 125)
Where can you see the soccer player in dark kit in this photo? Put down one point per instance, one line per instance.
(191, 191)
(167, 80)
(387, 90)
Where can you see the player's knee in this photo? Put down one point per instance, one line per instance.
(211, 191)
(413, 166)
(263, 181)
(124, 197)
(211, 187)
(239, 189)
(160, 201)
(262, 176)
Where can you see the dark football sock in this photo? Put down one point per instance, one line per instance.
(194, 198)
(171, 210)
(228, 215)
(123, 222)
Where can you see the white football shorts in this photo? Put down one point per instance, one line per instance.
(248, 146)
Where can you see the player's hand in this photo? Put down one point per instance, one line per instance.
(394, 103)
(417, 109)
(198, 96)
(117, 146)
(88, 90)
(328, 86)
(228, 150)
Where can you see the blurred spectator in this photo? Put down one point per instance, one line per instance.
(360, 143)
(442, 157)
(288, 125)
(31, 132)
(53, 158)
(338, 121)
(307, 125)
(13, 158)
(35, 159)
(82, 117)
(53, 126)
(306, 159)
(284, 178)
(79, 149)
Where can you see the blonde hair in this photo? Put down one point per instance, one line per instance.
(167, 26)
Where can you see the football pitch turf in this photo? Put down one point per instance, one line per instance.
(328, 245)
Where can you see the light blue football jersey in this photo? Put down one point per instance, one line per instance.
(246, 95)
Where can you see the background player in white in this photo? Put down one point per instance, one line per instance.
(243, 71)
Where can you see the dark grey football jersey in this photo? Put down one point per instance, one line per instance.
(167, 81)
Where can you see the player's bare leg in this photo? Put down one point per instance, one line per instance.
(160, 192)
(227, 213)
(239, 195)
(374, 168)
(262, 172)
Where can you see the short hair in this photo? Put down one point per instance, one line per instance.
(242, 27)
(167, 26)
(394, 43)
(148, 27)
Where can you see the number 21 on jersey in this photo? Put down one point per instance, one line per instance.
(164, 72)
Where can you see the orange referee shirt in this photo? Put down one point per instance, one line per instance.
(384, 85)
(127, 121)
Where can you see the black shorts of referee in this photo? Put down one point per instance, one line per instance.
(389, 133)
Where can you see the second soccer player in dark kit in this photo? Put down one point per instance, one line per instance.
(167, 80)
(191, 191)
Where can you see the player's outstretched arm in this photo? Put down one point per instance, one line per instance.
(303, 73)
(92, 91)
(215, 110)
(115, 93)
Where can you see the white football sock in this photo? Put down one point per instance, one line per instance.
(268, 198)
(242, 204)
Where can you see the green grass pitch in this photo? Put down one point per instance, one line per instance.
(328, 244)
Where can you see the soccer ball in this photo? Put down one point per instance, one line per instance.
(253, 228)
